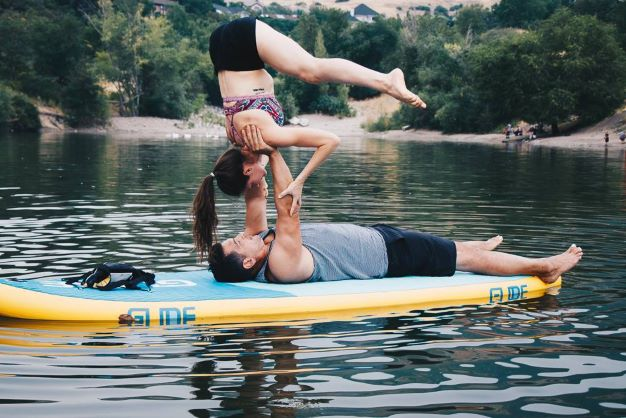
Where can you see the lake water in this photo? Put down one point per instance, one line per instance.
(70, 202)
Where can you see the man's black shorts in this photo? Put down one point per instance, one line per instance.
(413, 253)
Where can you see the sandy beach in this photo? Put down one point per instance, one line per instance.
(591, 138)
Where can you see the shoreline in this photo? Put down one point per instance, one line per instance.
(591, 138)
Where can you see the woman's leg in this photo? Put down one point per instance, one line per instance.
(286, 56)
(478, 260)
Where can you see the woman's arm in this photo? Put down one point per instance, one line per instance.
(285, 136)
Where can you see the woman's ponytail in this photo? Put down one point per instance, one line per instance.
(228, 173)
(204, 217)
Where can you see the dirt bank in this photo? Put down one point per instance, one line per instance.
(210, 125)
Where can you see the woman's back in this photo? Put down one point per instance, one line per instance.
(245, 83)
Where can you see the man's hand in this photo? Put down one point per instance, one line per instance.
(295, 190)
(253, 140)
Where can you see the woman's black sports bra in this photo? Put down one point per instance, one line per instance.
(233, 46)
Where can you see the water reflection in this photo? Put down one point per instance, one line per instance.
(493, 360)
(69, 202)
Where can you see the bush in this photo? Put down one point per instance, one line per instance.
(384, 123)
(288, 103)
(83, 101)
(5, 105)
(25, 114)
(17, 112)
(331, 105)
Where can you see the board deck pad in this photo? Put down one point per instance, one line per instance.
(182, 297)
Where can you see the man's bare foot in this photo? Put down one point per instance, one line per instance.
(488, 245)
(396, 87)
(561, 263)
(492, 243)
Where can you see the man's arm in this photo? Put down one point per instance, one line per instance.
(256, 208)
(289, 261)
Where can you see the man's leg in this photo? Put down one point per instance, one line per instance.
(477, 260)
(286, 56)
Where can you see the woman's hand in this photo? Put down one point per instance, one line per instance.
(253, 140)
(295, 190)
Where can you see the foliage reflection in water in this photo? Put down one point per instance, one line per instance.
(67, 203)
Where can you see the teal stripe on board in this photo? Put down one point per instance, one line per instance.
(170, 287)
(200, 285)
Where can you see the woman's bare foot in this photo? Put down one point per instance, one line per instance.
(561, 263)
(396, 87)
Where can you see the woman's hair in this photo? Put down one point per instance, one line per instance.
(228, 172)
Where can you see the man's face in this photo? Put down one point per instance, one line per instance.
(252, 167)
(250, 247)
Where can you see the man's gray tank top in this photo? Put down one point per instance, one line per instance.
(340, 252)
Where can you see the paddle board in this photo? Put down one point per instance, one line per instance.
(186, 297)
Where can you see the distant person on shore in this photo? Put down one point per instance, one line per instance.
(606, 137)
(294, 252)
(622, 136)
(240, 50)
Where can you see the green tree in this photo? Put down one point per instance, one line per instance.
(172, 74)
(581, 70)
(55, 54)
(441, 11)
(523, 13)
(198, 7)
(374, 46)
(284, 26)
(83, 101)
(473, 20)
(431, 52)
(40, 60)
(181, 21)
(122, 32)
(504, 70)
(612, 11)
(334, 25)
(17, 111)
(306, 32)
(16, 50)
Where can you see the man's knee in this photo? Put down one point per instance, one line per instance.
(466, 255)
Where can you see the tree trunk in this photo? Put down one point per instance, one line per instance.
(555, 129)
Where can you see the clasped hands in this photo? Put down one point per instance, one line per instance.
(253, 141)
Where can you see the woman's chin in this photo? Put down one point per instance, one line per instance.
(254, 184)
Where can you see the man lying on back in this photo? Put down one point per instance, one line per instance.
(295, 252)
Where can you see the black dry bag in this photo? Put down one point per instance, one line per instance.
(109, 276)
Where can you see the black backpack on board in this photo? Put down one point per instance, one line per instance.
(109, 276)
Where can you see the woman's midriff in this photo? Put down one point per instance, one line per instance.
(243, 83)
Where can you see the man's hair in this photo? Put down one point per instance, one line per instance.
(228, 268)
